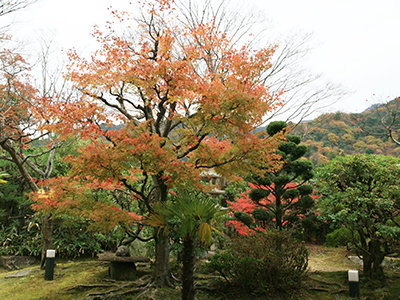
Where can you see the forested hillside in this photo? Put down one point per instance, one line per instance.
(337, 134)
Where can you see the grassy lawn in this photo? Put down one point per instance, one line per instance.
(327, 279)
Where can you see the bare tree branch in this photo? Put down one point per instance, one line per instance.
(388, 114)
(305, 93)
(9, 6)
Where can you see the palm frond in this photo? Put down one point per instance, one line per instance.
(204, 233)
(194, 210)
(157, 220)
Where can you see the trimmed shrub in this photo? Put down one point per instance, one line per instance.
(341, 237)
(271, 263)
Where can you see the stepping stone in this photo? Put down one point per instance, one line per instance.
(19, 274)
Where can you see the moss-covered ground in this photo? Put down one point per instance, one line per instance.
(327, 279)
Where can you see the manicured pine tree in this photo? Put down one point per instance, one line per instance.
(283, 196)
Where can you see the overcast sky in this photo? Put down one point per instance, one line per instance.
(356, 42)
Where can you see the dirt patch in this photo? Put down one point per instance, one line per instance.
(327, 259)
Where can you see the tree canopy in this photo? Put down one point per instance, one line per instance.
(186, 98)
(362, 193)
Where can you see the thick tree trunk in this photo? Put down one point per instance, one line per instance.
(366, 255)
(372, 261)
(47, 238)
(188, 291)
(377, 255)
(162, 267)
(367, 265)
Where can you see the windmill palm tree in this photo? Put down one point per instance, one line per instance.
(192, 213)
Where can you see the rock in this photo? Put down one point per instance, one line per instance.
(19, 274)
(16, 262)
(388, 262)
(356, 260)
(122, 251)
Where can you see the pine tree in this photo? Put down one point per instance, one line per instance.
(283, 196)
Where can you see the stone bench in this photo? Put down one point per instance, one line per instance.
(122, 268)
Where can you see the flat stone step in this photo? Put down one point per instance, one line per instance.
(109, 256)
(19, 274)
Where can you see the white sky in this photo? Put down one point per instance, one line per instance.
(356, 42)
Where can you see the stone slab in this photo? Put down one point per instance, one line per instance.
(108, 256)
(19, 274)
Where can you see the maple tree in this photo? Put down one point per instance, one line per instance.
(15, 142)
(18, 99)
(182, 105)
(305, 92)
(19, 127)
(23, 140)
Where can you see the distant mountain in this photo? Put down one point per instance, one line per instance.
(338, 133)
(372, 107)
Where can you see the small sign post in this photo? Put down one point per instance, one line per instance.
(354, 284)
(50, 257)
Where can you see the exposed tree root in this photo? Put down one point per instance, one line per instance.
(339, 291)
(90, 286)
(326, 282)
(147, 290)
(116, 289)
(325, 289)
(207, 288)
(145, 286)
(174, 278)
(139, 285)
(208, 277)
(319, 289)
